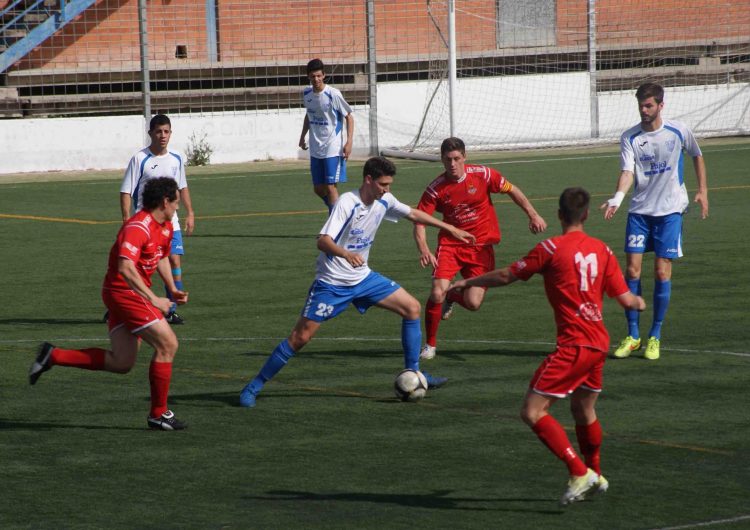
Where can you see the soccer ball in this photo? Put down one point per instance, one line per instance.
(410, 385)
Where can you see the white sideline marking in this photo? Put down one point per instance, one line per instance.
(707, 523)
(362, 339)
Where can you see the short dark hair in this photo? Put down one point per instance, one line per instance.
(378, 166)
(159, 119)
(574, 203)
(452, 144)
(157, 190)
(315, 65)
(650, 90)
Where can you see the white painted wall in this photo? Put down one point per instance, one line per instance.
(513, 110)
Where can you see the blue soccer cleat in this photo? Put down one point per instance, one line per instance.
(434, 381)
(247, 396)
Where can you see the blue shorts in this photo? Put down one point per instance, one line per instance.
(177, 243)
(325, 301)
(328, 170)
(660, 234)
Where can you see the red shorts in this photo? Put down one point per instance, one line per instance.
(129, 309)
(470, 260)
(568, 368)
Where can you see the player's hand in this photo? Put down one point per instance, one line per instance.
(347, 150)
(537, 224)
(163, 304)
(189, 224)
(641, 303)
(702, 199)
(428, 258)
(354, 259)
(302, 144)
(609, 211)
(180, 297)
(463, 236)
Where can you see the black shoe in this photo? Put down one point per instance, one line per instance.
(166, 422)
(42, 362)
(105, 318)
(175, 319)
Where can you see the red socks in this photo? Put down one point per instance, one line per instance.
(88, 359)
(432, 315)
(590, 443)
(159, 375)
(551, 433)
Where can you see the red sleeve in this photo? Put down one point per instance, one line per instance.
(498, 183)
(534, 262)
(614, 281)
(134, 237)
(428, 202)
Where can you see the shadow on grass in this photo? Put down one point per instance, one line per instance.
(439, 500)
(22, 425)
(56, 321)
(256, 236)
(375, 352)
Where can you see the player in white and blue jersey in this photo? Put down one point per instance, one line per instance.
(151, 162)
(327, 112)
(343, 276)
(652, 155)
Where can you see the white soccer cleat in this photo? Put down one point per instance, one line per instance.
(578, 487)
(428, 352)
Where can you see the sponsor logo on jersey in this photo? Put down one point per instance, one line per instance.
(644, 143)
(357, 232)
(154, 166)
(647, 158)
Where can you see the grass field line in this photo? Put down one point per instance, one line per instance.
(714, 522)
(284, 213)
(367, 339)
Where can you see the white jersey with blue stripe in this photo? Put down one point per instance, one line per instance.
(326, 111)
(353, 225)
(656, 158)
(145, 166)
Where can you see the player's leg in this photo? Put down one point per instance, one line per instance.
(164, 342)
(335, 172)
(667, 246)
(589, 433)
(475, 261)
(302, 333)
(404, 304)
(433, 314)
(637, 241)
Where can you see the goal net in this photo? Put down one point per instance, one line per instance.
(539, 73)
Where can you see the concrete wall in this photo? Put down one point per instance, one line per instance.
(515, 110)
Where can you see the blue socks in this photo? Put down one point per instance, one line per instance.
(328, 204)
(275, 362)
(662, 293)
(632, 315)
(411, 341)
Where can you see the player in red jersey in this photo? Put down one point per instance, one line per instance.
(463, 195)
(577, 269)
(135, 312)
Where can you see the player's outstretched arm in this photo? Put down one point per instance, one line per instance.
(611, 206)
(701, 196)
(349, 136)
(164, 268)
(496, 278)
(536, 223)
(426, 257)
(328, 246)
(631, 301)
(418, 216)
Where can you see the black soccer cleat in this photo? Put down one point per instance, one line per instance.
(105, 318)
(166, 422)
(42, 362)
(174, 319)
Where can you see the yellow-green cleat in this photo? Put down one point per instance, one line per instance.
(652, 349)
(579, 487)
(628, 346)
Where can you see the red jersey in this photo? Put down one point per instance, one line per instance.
(144, 242)
(578, 269)
(466, 203)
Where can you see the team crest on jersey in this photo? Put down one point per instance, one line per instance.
(471, 189)
(670, 145)
(590, 312)
(174, 172)
(165, 232)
